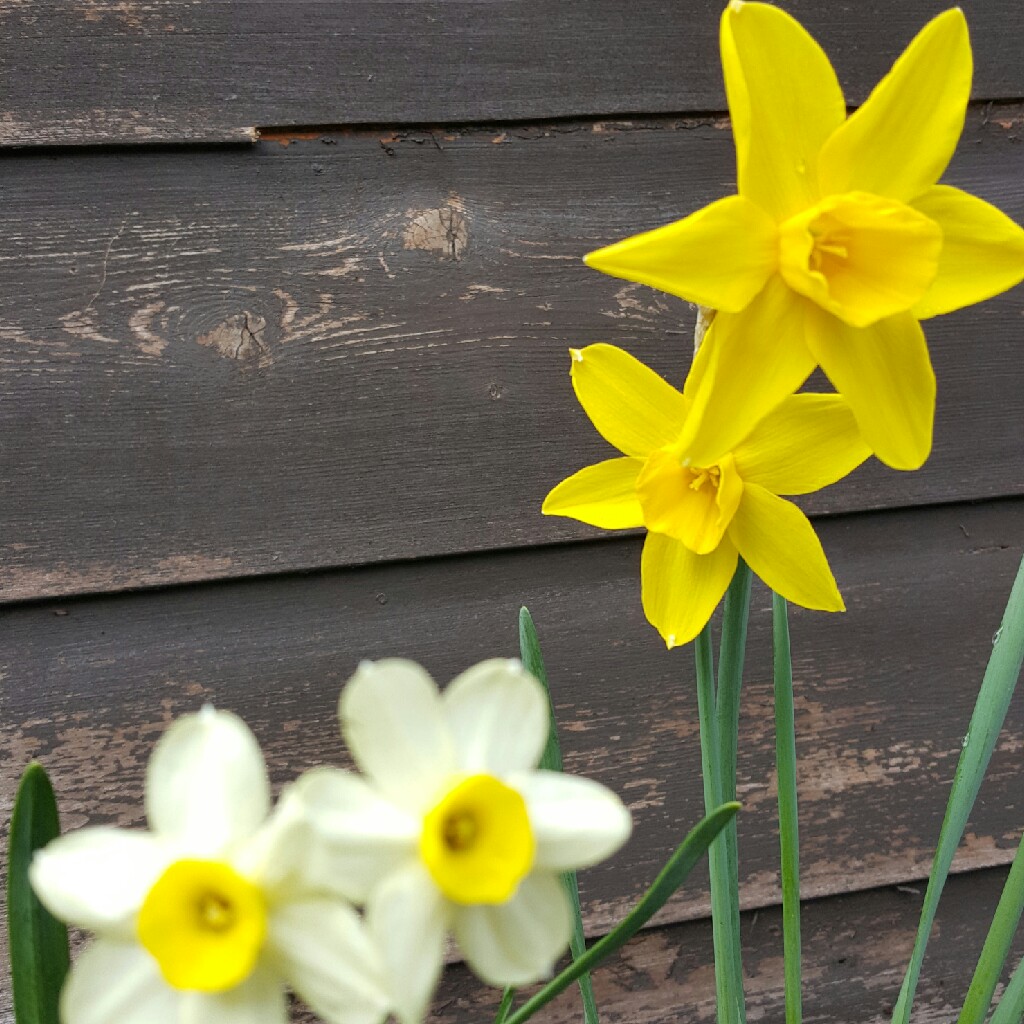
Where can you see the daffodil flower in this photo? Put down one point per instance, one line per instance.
(702, 514)
(453, 828)
(204, 919)
(839, 240)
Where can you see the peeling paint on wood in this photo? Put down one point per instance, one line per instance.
(199, 372)
(181, 70)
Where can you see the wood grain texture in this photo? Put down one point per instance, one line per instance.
(353, 349)
(855, 951)
(171, 70)
(883, 693)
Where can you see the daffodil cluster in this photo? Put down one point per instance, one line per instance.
(838, 242)
(209, 916)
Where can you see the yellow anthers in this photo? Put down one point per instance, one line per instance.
(204, 924)
(477, 842)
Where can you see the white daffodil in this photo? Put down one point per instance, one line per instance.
(454, 828)
(206, 918)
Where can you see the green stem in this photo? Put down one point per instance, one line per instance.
(785, 760)
(672, 875)
(725, 929)
(727, 726)
(997, 944)
(505, 1006)
(1011, 1006)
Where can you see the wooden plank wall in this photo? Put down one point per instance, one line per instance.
(286, 290)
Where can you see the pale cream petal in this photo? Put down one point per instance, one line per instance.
(393, 722)
(260, 999)
(117, 981)
(97, 878)
(517, 942)
(407, 919)
(576, 822)
(329, 960)
(348, 838)
(206, 785)
(498, 716)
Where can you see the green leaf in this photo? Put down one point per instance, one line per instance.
(533, 662)
(1011, 1007)
(672, 875)
(38, 942)
(997, 944)
(989, 712)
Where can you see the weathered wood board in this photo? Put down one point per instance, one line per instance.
(353, 349)
(175, 70)
(884, 693)
(856, 949)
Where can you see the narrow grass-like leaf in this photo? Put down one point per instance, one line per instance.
(1010, 1009)
(672, 875)
(38, 942)
(989, 712)
(789, 832)
(533, 662)
(997, 944)
(505, 1006)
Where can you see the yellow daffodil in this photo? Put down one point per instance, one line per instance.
(206, 917)
(703, 513)
(839, 240)
(453, 826)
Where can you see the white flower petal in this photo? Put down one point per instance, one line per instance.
(499, 717)
(576, 822)
(517, 942)
(352, 837)
(407, 918)
(330, 961)
(97, 878)
(392, 722)
(206, 786)
(260, 999)
(118, 981)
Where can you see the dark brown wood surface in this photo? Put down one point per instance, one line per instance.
(856, 949)
(354, 349)
(884, 693)
(173, 70)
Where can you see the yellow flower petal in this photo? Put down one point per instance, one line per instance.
(785, 101)
(632, 407)
(720, 256)
(754, 359)
(692, 504)
(681, 590)
(982, 250)
(860, 256)
(900, 141)
(886, 375)
(778, 542)
(807, 442)
(603, 495)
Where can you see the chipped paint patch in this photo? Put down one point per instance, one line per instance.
(240, 338)
(444, 231)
